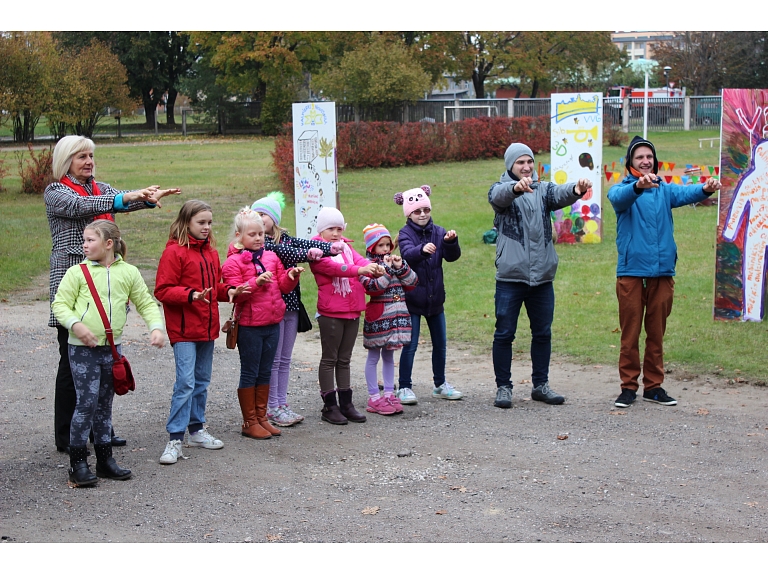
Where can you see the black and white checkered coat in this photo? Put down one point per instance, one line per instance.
(68, 213)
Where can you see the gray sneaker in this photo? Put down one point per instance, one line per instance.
(503, 396)
(545, 394)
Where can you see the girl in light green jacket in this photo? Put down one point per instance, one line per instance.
(90, 355)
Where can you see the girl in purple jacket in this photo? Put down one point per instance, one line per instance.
(424, 245)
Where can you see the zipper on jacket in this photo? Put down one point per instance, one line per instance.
(85, 313)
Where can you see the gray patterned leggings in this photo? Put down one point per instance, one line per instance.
(92, 372)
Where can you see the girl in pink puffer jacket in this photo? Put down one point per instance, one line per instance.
(258, 314)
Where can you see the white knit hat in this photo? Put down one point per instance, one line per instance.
(330, 218)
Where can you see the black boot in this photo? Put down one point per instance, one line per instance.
(106, 466)
(331, 412)
(79, 473)
(347, 408)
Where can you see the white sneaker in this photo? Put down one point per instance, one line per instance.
(172, 452)
(204, 439)
(446, 391)
(406, 396)
(297, 416)
(279, 416)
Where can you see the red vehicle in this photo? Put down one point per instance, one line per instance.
(660, 108)
(630, 92)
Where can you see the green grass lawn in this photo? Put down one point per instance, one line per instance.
(232, 173)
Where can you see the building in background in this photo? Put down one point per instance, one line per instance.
(639, 45)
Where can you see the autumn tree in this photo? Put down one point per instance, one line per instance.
(705, 62)
(89, 82)
(155, 63)
(265, 66)
(27, 79)
(382, 72)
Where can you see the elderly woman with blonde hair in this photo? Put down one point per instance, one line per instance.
(73, 201)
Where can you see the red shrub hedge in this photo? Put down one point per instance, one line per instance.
(387, 144)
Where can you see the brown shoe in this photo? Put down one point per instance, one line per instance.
(347, 408)
(262, 397)
(251, 427)
(331, 412)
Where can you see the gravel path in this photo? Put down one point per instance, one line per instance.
(444, 471)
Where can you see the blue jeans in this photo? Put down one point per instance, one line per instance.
(436, 325)
(540, 305)
(257, 346)
(194, 362)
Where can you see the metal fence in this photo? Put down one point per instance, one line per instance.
(664, 114)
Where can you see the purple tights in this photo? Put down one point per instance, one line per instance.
(387, 370)
(281, 367)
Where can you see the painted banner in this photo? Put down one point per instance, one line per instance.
(577, 152)
(314, 162)
(742, 228)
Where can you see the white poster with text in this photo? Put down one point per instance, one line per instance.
(314, 162)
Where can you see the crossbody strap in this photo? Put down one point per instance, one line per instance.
(102, 312)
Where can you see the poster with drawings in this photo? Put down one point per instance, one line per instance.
(742, 229)
(577, 152)
(314, 162)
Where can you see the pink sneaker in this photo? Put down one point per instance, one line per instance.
(395, 402)
(380, 406)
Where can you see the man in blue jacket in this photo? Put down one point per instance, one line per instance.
(646, 266)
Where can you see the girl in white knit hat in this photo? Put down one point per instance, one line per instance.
(340, 301)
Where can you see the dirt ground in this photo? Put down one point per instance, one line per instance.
(443, 471)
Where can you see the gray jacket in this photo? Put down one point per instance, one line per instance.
(524, 250)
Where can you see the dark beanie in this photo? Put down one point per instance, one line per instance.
(635, 143)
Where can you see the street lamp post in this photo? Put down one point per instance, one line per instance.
(666, 77)
(645, 107)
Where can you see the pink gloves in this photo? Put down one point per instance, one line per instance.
(314, 254)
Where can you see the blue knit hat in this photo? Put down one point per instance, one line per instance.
(272, 205)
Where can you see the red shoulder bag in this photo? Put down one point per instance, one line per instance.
(122, 376)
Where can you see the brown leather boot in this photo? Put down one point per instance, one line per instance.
(347, 408)
(262, 396)
(251, 427)
(331, 412)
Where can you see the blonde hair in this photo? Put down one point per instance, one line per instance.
(65, 150)
(108, 230)
(277, 231)
(180, 226)
(244, 217)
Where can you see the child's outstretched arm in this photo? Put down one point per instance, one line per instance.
(292, 251)
(167, 281)
(451, 248)
(411, 251)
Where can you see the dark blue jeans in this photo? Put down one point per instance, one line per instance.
(540, 304)
(437, 332)
(257, 346)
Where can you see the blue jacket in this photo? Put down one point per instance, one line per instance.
(428, 297)
(644, 227)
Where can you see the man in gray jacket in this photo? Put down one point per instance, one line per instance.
(526, 262)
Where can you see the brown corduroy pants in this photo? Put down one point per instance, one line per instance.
(648, 302)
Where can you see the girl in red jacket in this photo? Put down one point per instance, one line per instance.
(188, 284)
(340, 300)
(259, 313)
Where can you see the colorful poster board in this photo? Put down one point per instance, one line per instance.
(742, 229)
(314, 162)
(577, 152)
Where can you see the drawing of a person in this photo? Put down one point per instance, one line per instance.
(751, 197)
